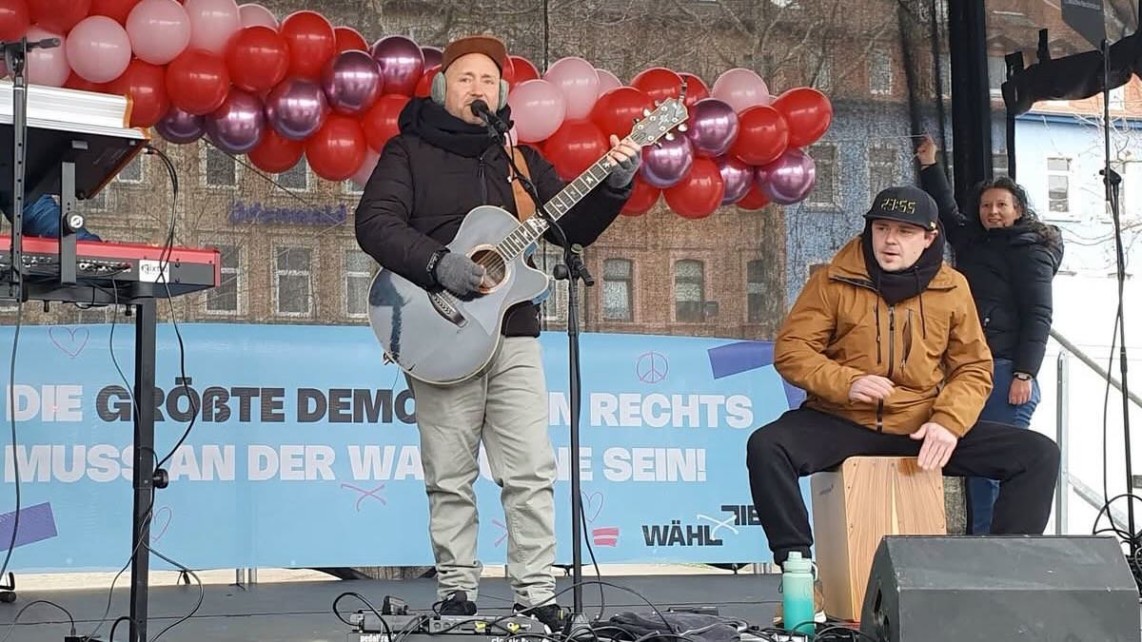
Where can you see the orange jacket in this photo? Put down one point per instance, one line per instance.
(931, 346)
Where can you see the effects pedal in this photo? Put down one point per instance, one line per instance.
(488, 625)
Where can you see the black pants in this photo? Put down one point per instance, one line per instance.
(804, 441)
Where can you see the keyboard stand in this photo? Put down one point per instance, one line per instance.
(78, 164)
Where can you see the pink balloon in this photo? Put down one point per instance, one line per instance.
(538, 109)
(578, 81)
(741, 89)
(256, 15)
(212, 23)
(159, 30)
(47, 67)
(362, 176)
(98, 49)
(608, 81)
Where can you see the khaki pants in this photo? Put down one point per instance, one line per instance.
(506, 408)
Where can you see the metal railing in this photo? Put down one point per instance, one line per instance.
(1062, 412)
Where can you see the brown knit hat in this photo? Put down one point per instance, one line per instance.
(490, 46)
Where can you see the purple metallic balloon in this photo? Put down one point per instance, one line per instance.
(236, 127)
(789, 179)
(667, 163)
(712, 127)
(432, 56)
(737, 176)
(352, 82)
(180, 127)
(402, 63)
(296, 108)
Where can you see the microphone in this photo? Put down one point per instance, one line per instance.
(481, 109)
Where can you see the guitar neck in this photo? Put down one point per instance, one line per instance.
(531, 230)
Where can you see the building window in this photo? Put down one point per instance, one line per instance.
(618, 303)
(96, 202)
(1059, 185)
(221, 170)
(295, 178)
(826, 192)
(999, 164)
(133, 172)
(1118, 98)
(755, 291)
(554, 308)
(879, 72)
(689, 291)
(293, 281)
(996, 73)
(883, 163)
(820, 71)
(358, 277)
(223, 299)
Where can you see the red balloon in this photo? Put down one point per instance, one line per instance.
(58, 16)
(424, 85)
(754, 199)
(700, 193)
(642, 197)
(198, 82)
(696, 89)
(658, 82)
(574, 147)
(808, 113)
(257, 59)
(521, 70)
(75, 81)
(117, 10)
(275, 153)
(763, 135)
(145, 85)
(380, 122)
(312, 42)
(616, 111)
(337, 150)
(348, 39)
(14, 19)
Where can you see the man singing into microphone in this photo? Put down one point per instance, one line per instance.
(445, 162)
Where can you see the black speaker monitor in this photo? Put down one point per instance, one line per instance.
(990, 589)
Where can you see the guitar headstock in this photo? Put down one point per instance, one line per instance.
(659, 123)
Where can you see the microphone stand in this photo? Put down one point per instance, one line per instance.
(1112, 180)
(571, 270)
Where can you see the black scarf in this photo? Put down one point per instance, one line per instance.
(895, 287)
(425, 118)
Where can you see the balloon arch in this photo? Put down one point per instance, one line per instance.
(276, 90)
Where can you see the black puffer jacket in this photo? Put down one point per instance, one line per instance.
(1010, 272)
(439, 168)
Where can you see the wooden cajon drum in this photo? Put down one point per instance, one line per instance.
(854, 507)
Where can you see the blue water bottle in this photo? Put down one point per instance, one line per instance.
(797, 594)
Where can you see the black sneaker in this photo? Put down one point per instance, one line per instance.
(550, 615)
(455, 604)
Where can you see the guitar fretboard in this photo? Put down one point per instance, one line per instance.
(534, 228)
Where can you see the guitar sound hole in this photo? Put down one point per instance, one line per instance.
(494, 265)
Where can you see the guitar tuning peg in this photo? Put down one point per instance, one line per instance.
(658, 103)
(683, 127)
(669, 136)
(646, 112)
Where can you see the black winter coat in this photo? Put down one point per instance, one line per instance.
(1010, 272)
(434, 172)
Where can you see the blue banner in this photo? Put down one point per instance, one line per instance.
(305, 451)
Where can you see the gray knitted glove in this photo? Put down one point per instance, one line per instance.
(459, 274)
(624, 172)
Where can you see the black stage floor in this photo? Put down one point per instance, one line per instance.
(302, 611)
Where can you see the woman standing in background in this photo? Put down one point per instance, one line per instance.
(1010, 259)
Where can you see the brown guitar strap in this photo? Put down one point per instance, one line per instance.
(524, 206)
